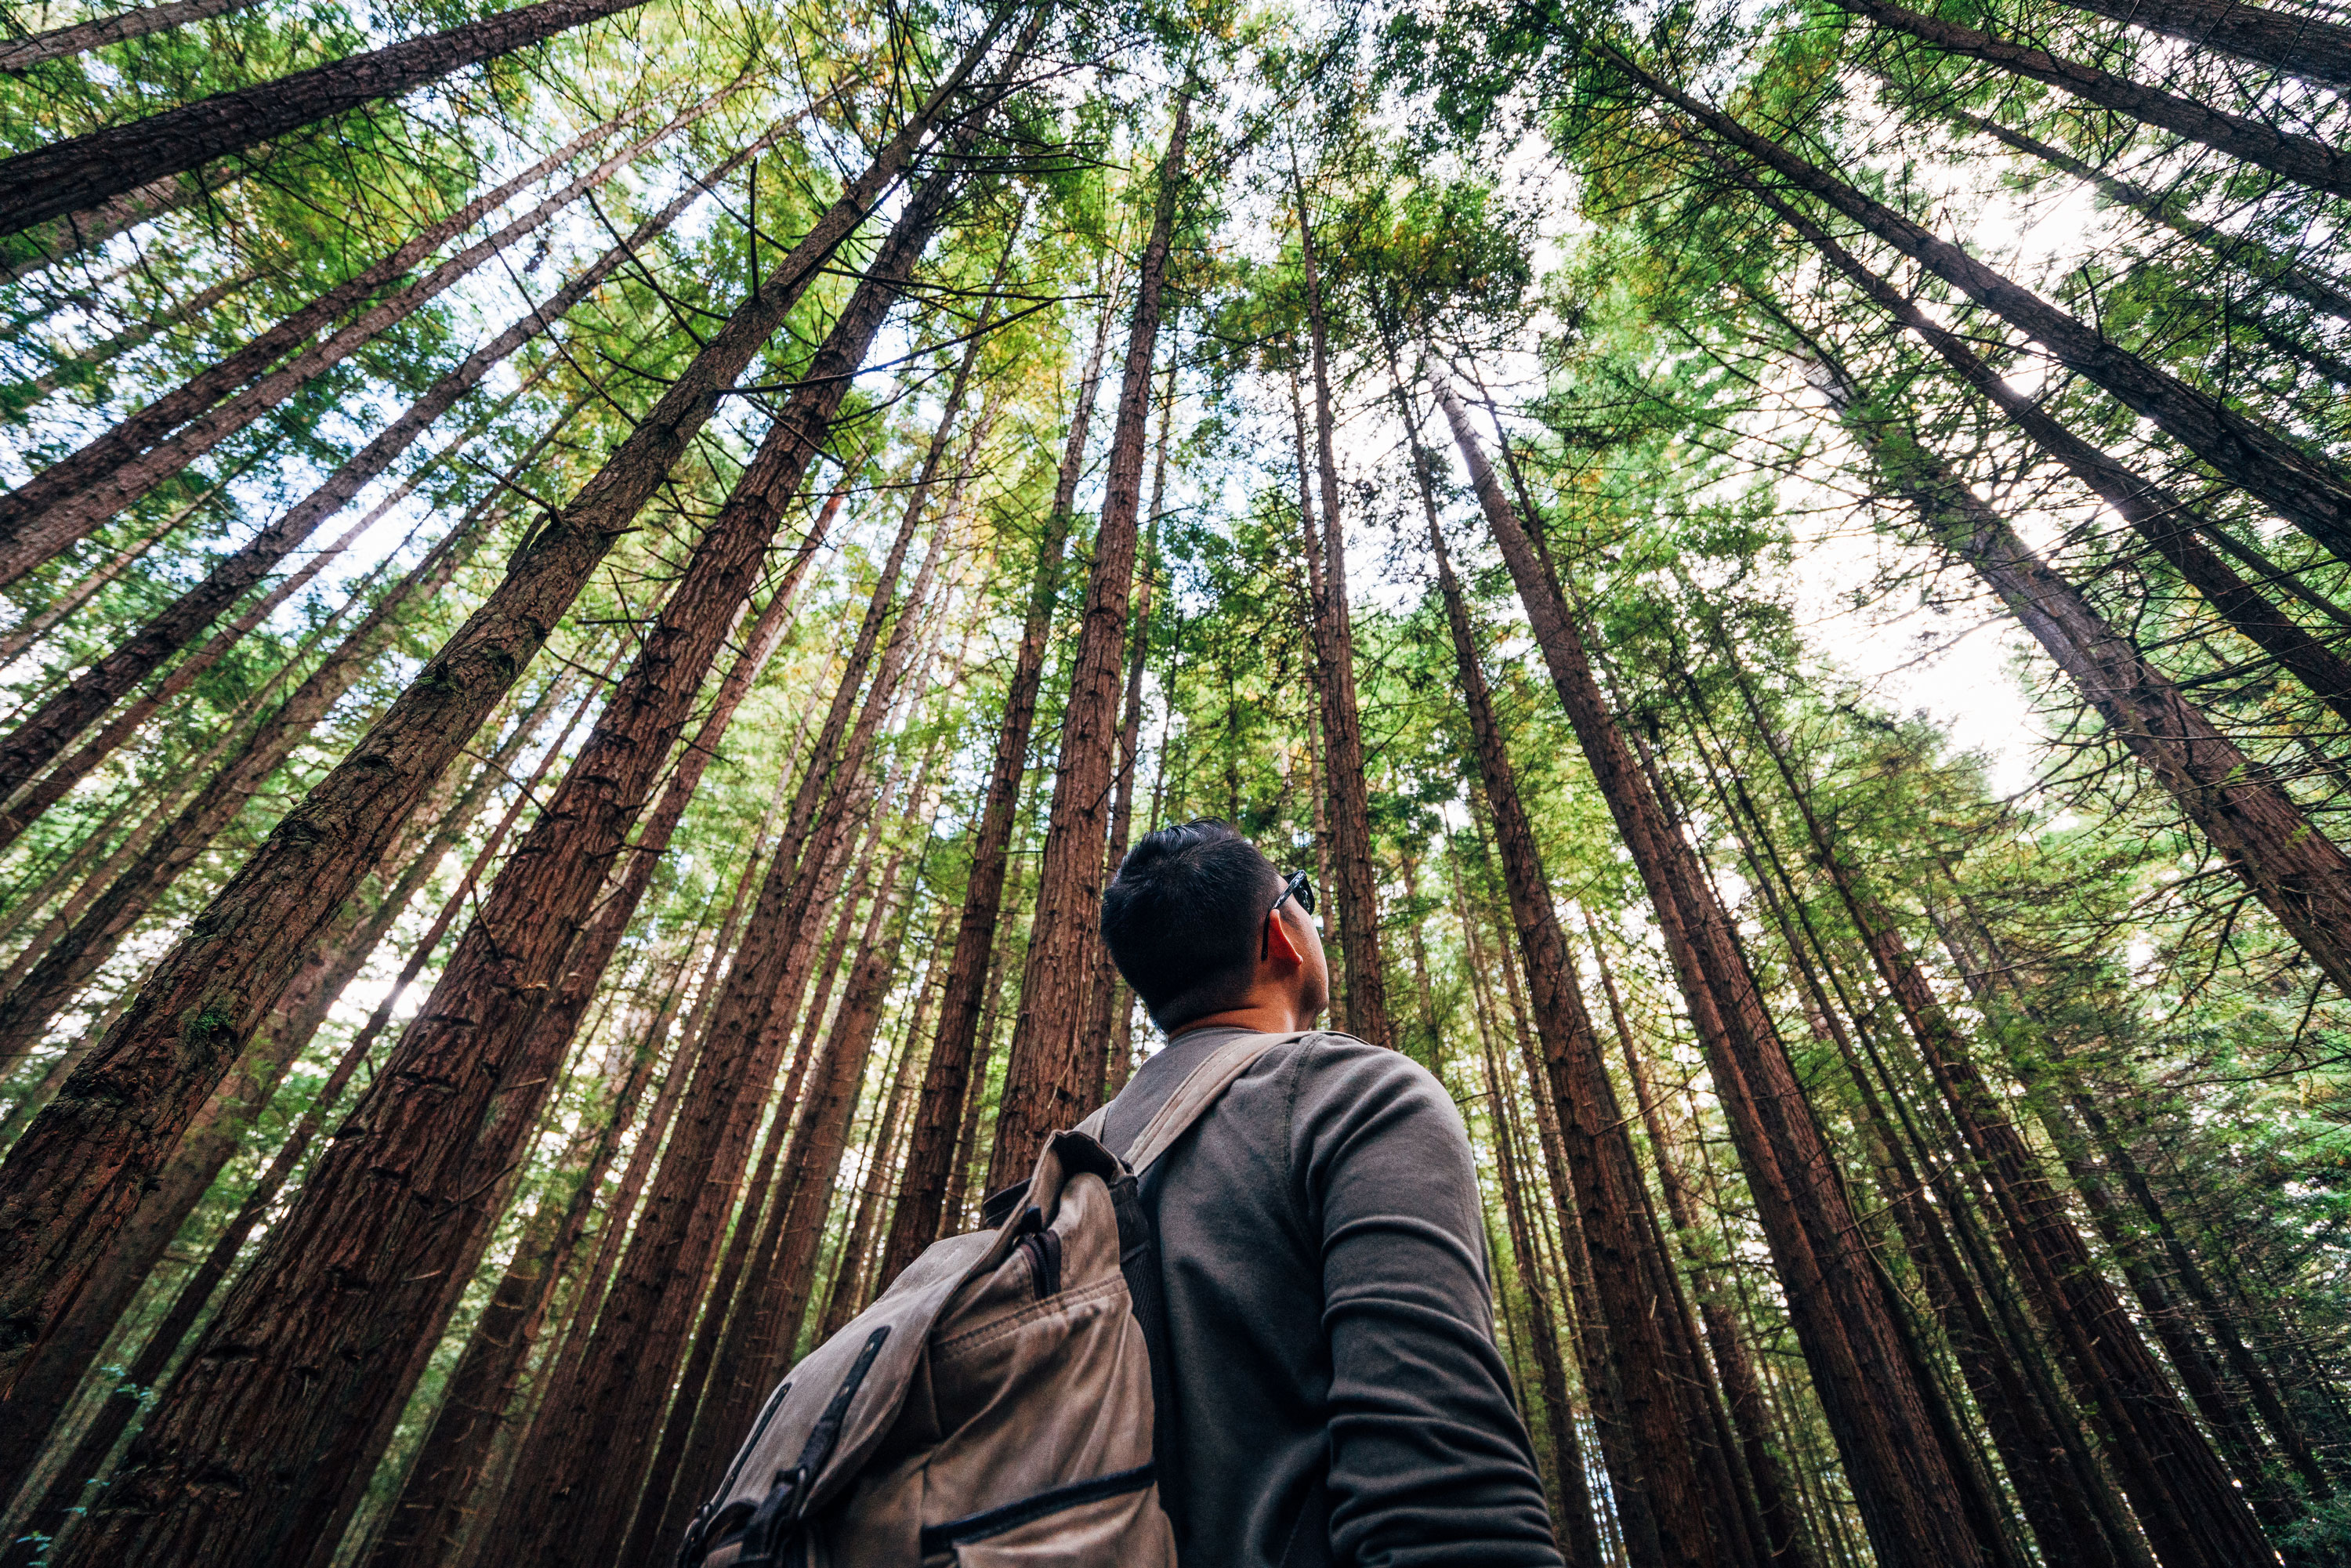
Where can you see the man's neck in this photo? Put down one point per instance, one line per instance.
(1269, 1015)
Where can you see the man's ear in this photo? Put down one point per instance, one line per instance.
(1281, 948)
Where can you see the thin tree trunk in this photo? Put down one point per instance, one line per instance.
(78, 234)
(956, 1203)
(1106, 992)
(63, 43)
(33, 628)
(76, 369)
(69, 1181)
(1912, 1494)
(957, 1066)
(848, 1295)
(82, 171)
(90, 504)
(1599, 1154)
(23, 547)
(1051, 1081)
(477, 1047)
(2304, 159)
(2166, 523)
(2306, 490)
(1344, 777)
(48, 730)
(2300, 46)
(577, 1487)
(1318, 792)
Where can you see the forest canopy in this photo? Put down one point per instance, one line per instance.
(591, 591)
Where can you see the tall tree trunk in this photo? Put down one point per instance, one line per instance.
(63, 43)
(1051, 1081)
(71, 960)
(464, 1086)
(82, 171)
(953, 1076)
(2304, 159)
(2301, 46)
(1105, 991)
(44, 733)
(23, 547)
(1606, 1181)
(93, 502)
(849, 1294)
(2308, 491)
(69, 1180)
(956, 1208)
(577, 1487)
(65, 600)
(2163, 520)
(79, 368)
(1913, 1496)
(47, 1382)
(2271, 268)
(2260, 830)
(80, 233)
(1344, 778)
(1318, 792)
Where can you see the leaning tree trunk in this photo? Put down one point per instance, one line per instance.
(2305, 159)
(64, 43)
(2299, 45)
(602, 1422)
(2166, 524)
(1913, 1496)
(2306, 490)
(1603, 1178)
(71, 1179)
(1356, 888)
(1049, 1082)
(951, 1079)
(23, 547)
(77, 234)
(464, 1087)
(47, 729)
(80, 369)
(83, 171)
(39, 511)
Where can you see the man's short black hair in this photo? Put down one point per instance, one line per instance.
(1181, 918)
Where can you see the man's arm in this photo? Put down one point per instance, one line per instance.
(1429, 1459)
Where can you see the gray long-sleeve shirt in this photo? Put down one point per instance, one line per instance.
(1339, 1396)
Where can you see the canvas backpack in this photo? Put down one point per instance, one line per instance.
(1004, 1404)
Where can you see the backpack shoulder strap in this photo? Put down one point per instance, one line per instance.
(1200, 1089)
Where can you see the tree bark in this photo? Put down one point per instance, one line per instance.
(69, 1180)
(77, 234)
(951, 1077)
(1349, 813)
(1599, 1154)
(2305, 489)
(2300, 46)
(1050, 1079)
(847, 1296)
(79, 368)
(574, 1493)
(93, 502)
(2166, 524)
(50, 727)
(63, 43)
(464, 1088)
(82, 171)
(1909, 1486)
(23, 547)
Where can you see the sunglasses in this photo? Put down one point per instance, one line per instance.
(1296, 888)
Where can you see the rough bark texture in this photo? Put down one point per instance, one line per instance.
(48, 730)
(23, 547)
(62, 43)
(71, 1178)
(1907, 1483)
(1050, 1081)
(2306, 490)
(83, 171)
(1356, 892)
(2301, 46)
(1604, 1180)
(951, 1077)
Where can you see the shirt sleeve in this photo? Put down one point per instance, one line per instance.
(1429, 1460)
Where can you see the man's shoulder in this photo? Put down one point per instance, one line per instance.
(1340, 1063)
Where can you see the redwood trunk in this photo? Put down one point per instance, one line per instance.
(2307, 491)
(1911, 1495)
(63, 43)
(70, 1180)
(83, 171)
(47, 731)
(1050, 1079)
(954, 1075)
(81, 367)
(2300, 46)
(1355, 880)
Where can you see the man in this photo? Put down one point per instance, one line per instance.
(1339, 1398)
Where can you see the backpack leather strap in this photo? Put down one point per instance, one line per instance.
(1201, 1088)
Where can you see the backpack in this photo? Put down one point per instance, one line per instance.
(1005, 1402)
